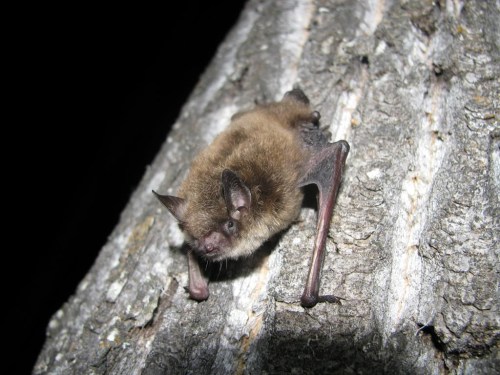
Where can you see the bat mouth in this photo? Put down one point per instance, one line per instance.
(207, 251)
(210, 250)
(214, 256)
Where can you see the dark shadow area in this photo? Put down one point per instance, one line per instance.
(241, 267)
(318, 353)
(310, 197)
(436, 341)
(335, 351)
(100, 89)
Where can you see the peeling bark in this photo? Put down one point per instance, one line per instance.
(413, 247)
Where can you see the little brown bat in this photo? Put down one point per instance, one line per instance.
(247, 186)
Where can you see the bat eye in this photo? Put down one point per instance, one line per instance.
(230, 227)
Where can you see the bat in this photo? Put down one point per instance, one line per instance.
(247, 186)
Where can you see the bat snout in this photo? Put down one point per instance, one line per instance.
(209, 248)
(212, 244)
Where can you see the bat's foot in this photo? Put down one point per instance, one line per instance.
(311, 301)
(198, 295)
(330, 299)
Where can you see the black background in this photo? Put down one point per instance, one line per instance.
(96, 91)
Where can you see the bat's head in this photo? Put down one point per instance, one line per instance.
(217, 222)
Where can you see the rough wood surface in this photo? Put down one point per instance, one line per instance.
(414, 242)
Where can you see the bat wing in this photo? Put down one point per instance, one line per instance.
(324, 169)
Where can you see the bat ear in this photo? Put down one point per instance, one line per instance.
(175, 205)
(236, 194)
(297, 94)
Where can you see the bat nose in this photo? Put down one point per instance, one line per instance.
(209, 248)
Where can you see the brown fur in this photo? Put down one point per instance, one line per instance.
(263, 147)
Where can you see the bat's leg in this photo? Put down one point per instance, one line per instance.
(325, 170)
(198, 284)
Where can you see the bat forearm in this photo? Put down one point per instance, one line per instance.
(311, 291)
(327, 177)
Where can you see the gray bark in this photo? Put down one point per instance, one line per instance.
(414, 242)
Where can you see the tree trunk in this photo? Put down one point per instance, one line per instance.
(414, 242)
